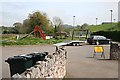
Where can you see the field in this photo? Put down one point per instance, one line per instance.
(103, 27)
(12, 40)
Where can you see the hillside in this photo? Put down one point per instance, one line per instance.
(104, 27)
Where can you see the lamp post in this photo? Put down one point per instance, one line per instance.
(111, 25)
(73, 26)
(96, 20)
(73, 21)
(111, 16)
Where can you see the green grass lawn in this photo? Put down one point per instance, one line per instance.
(103, 27)
(28, 41)
(8, 41)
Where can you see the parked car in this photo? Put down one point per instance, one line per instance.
(96, 39)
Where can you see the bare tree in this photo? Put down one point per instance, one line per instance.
(58, 24)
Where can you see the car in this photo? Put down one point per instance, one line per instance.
(97, 39)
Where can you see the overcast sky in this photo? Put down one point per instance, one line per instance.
(84, 11)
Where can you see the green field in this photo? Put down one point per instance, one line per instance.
(104, 27)
(27, 41)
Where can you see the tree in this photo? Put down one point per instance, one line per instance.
(118, 24)
(18, 27)
(51, 29)
(58, 24)
(78, 26)
(84, 26)
(35, 18)
(38, 18)
(26, 26)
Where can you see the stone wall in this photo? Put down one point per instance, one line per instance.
(114, 51)
(54, 66)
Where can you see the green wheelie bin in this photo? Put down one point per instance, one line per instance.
(18, 64)
(38, 56)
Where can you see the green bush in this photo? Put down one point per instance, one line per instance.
(114, 35)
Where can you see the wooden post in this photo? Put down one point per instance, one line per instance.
(72, 34)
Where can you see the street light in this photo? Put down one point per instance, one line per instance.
(73, 26)
(73, 21)
(111, 25)
(111, 16)
(96, 20)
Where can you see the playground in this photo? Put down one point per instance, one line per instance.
(38, 37)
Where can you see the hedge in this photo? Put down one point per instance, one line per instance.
(114, 35)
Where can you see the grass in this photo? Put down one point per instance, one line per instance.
(27, 41)
(103, 27)
(11, 40)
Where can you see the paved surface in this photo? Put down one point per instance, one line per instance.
(80, 63)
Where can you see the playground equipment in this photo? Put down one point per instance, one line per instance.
(35, 31)
(38, 29)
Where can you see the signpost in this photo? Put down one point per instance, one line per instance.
(99, 49)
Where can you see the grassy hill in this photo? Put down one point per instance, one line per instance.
(110, 31)
(104, 27)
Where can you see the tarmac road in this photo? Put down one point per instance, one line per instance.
(80, 61)
(81, 64)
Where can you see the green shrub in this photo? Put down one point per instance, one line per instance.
(114, 35)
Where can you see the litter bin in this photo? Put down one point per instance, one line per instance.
(18, 64)
(38, 56)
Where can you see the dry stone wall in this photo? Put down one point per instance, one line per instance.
(115, 51)
(54, 66)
